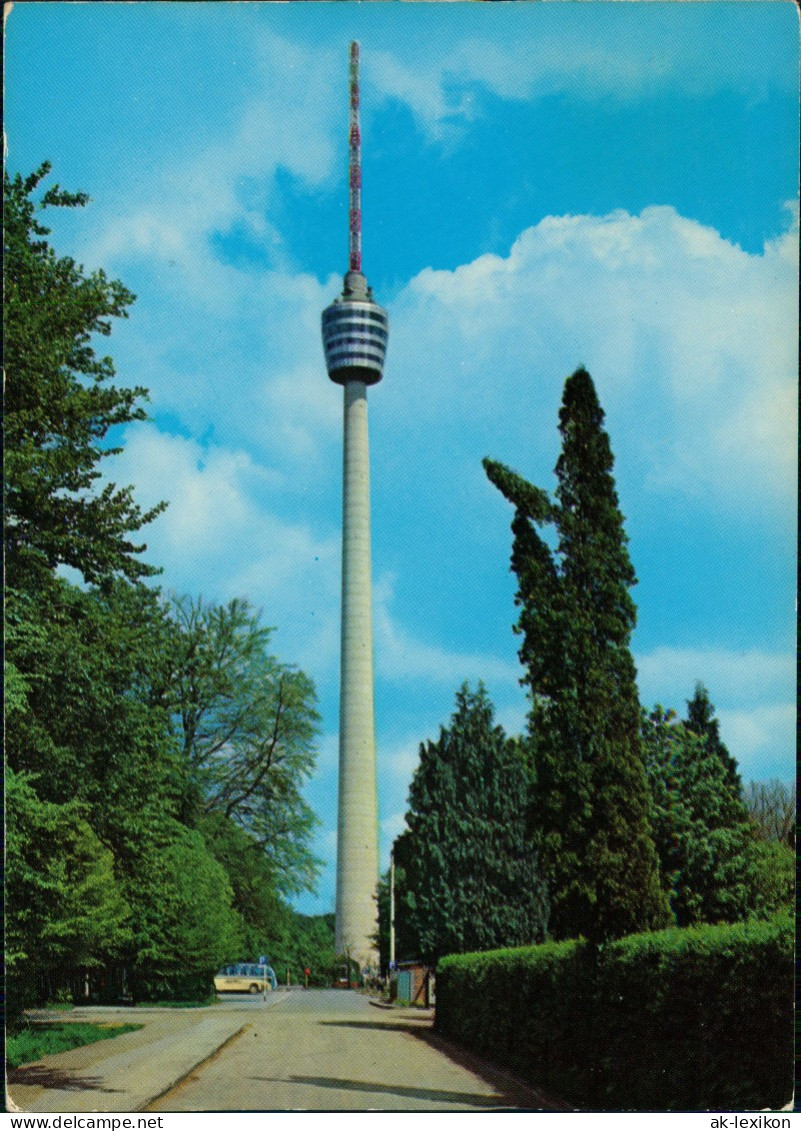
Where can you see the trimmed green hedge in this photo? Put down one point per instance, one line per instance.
(678, 1020)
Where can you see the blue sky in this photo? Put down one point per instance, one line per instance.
(545, 185)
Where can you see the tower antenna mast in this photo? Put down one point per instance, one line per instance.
(355, 165)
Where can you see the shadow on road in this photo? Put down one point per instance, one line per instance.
(435, 1095)
(419, 1028)
(41, 1076)
(511, 1093)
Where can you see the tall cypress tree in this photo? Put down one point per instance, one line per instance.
(467, 877)
(589, 794)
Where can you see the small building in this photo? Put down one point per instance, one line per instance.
(413, 983)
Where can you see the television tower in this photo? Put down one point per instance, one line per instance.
(355, 333)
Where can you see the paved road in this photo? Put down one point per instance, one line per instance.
(333, 1050)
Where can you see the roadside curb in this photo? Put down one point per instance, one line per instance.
(421, 1010)
(204, 1060)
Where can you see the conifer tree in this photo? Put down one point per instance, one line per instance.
(589, 794)
(467, 877)
(701, 827)
(701, 721)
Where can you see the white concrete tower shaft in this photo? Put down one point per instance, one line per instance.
(355, 334)
(357, 840)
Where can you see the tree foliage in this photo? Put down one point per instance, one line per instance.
(92, 735)
(95, 670)
(102, 677)
(771, 810)
(248, 724)
(59, 405)
(304, 942)
(589, 795)
(268, 925)
(467, 878)
(701, 721)
(384, 912)
(772, 878)
(254, 893)
(155, 752)
(66, 904)
(193, 920)
(701, 828)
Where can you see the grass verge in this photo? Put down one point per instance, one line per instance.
(37, 1041)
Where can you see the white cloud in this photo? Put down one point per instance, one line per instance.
(692, 343)
(327, 752)
(223, 535)
(254, 371)
(207, 487)
(287, 124)
(762, 739)
(585, 60)
(669, 675)
(421, 89)
(390, 829)
(326, 843)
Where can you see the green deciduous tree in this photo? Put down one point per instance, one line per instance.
(467, 876)
(248, 724)
(253, 884)
(64, 904)
(94, 721)
(132, 725)
(87, 724)
(191, 924)
(771, 810)
(97, 673)
(305, 942)
(59, 405)
(589, 795)
(772, 878)
(93, 729)
(269, 925)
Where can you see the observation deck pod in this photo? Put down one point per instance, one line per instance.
(355, 334)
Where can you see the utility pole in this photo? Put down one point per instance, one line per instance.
(392, 910)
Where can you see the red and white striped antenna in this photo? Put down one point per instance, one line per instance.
(355, 166)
